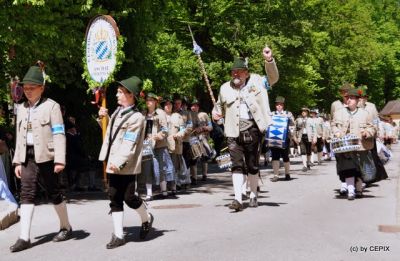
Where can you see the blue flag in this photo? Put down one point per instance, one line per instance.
(196, 48)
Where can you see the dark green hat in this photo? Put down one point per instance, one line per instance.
(280, 99)
(34, 76)
(195, 101)
(152, 95)
(166, 99)
(240, 63)
(346, 86)
(132, 84)
(354, 92)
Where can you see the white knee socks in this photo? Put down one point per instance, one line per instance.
(143, 213)
(118, 220)
(253, 182)
(275, 167)
(62, 213)
(237, 179)
(26, 220)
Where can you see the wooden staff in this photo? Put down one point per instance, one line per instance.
(203, 70)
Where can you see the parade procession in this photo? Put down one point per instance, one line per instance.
(232, 135)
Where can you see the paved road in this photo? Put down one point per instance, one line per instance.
(301, 219)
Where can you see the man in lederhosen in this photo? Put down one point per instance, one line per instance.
(122, 150)
(305, 137)
(243, 102)
(319, 131)
(283, 153)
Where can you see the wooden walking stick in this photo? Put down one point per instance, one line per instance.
(197, 50)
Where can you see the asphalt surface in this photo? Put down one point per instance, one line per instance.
(300, 219)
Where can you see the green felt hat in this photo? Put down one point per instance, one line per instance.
(132, 84)
(34, 76)
(346, 86)
(240, 63)
(152, 95)
(280, 99)
(354, 92)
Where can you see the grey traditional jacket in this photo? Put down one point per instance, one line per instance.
(126, 150)
(47, 130)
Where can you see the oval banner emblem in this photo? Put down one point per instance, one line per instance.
(101, 47)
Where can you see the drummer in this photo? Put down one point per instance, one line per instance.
(203, 131)
(356, 121)
(335, 106)
(277, 153)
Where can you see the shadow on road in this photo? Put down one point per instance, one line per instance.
(132, 234)
(76, 235)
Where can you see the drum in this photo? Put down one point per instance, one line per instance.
(224, 161)
(147, 153)
(347, 143)
(195, 148)
(276, 135)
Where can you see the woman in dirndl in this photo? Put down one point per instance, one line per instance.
(157, 168)
(176, 132)
(356, 121)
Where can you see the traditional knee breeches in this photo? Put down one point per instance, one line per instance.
(38, 174)
(122, 188)
(245, 151)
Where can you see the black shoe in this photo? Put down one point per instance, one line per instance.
(146, 226)
(253, 203)
(204, 178)
(287, 177)
(115, 242)
(193, 181)
(236, 205)
(359, 194)
(20, 245)
(244, 196)
(173, 193)
(274, 178)
(63, 235)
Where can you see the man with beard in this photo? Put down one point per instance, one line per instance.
(243, 103)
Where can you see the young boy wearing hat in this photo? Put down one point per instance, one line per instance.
(305, 136)
(319, 131)
(39, 155)
(122, 151)
(283, 153)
